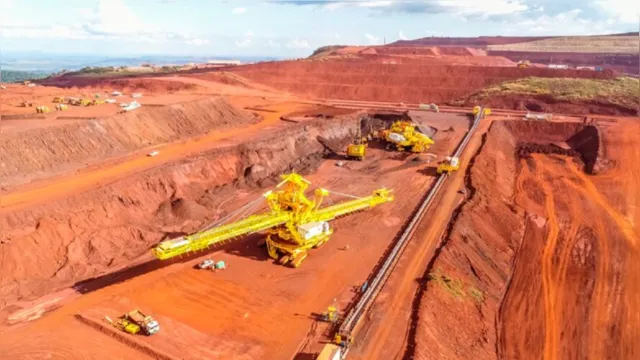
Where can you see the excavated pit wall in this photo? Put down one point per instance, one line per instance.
(482, 240)
(44, 152)
(58, 244)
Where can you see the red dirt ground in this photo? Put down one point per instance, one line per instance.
(257, 296)
(531, 273)
(415, 83)
(511, 254)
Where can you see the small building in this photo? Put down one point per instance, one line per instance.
(558, 66)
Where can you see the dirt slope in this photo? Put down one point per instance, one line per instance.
(413, 82)
(90, 233)
(525, 273)
(47, 151)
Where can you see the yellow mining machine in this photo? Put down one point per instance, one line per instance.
(79, 102)
(358, 149)
(486, 112)
(135, 321)
(294, 223)
(523, 64)
(450, 164)
(404, 135)
(58, 100)
(42, 109)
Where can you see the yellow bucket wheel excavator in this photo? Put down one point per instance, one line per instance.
(294, 223)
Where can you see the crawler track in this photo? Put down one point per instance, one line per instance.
(364, 302)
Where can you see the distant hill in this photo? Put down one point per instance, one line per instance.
(615, 43)
(610, 44)
(480, 41)
(15, 76)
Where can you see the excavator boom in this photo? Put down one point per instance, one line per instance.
(198, 241)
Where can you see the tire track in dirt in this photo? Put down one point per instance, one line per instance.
(548, 284)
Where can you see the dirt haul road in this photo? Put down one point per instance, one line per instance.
(384, 333)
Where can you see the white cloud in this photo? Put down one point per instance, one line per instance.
(375, 4)
(197, 42)
(337, 35)
(239, 10)
(401, 36)
(373, 40)
(334, 6)
(109, 20)
(243, 43)
(457, 7)
(298, 44)
(273, 44)
(627, 11)
(569, 22)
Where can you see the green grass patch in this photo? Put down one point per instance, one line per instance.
(622, 90)
(456, 287)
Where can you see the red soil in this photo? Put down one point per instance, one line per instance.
(625, 63)
(81, 143)
(532, 274)
(414, 83)
(549, 104)
(237, 313)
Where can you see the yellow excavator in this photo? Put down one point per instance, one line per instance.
(294, 223)
(358, 149)
(403, 135)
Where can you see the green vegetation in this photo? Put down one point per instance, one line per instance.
(328, 48)
(105, 71)
(16, 76)
(456, 287)
(622, 91)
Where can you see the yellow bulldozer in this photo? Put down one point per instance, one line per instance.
(97, 102)
(58, 100)
(523, 64)
(42, 109)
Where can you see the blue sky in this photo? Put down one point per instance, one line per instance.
(287, 28)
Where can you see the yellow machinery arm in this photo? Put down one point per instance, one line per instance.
(202, 240)
(295, 223)
(379, 196)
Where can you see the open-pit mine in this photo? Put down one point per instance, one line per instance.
(405, 201)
